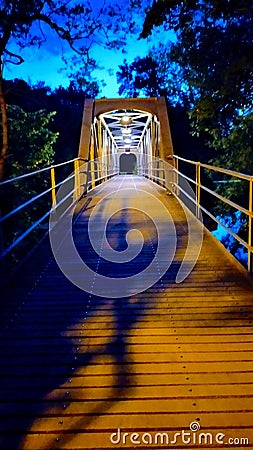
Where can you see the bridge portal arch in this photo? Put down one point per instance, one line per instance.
(94, 144)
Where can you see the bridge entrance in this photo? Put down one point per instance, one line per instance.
(128, 163)
(112, 128)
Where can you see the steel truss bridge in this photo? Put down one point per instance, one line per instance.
(129, 325)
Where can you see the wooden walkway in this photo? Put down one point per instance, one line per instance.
(76, 368)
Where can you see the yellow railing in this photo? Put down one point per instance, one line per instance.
(157, 169)
(22, 207)
(200, 187)
(83, 176)
(168, 175)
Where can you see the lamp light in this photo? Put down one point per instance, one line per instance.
(125, 120)
(126, 131)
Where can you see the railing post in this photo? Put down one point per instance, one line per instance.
(177, 192)
(77, 191)
(93, 172)
(52, 174)
(250, 225)
(198, 186)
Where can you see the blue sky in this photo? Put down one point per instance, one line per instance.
(45, 64)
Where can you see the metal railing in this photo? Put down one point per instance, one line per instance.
(83, 176)
(170, 176)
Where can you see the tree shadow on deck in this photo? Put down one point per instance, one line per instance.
(39, 352)
(39, 355)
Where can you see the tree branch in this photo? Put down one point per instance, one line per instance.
(63, 33)
(19, 58)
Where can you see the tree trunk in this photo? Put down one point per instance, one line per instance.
(3, 155)
(3, 108)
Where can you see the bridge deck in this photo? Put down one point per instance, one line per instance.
(75, 367)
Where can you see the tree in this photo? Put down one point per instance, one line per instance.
(214, 50)
(143, 76)
(78, 24)
(31, 141)
(31, 147)
(153, 76)
(68, 102)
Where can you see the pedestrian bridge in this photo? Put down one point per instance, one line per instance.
(129, 325)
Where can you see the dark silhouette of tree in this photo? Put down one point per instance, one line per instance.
(44, 129)
(142, 77)
(214, 50)
(66, 102)
(33, 22)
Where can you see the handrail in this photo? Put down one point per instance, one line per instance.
(97, 172)
(174, 184)
(33, 199)
(220, 197)
(36, 172)
(199, 186)
(243, 176)
(75, 191)
(228, 202)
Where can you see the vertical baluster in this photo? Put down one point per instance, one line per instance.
(198, 189)
(250, 225)
(52, 173)
(77, 191)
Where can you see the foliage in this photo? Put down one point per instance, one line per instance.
(154, 75)
(213, 57)
(68, 102)
(31, 141)
(79, 24)
(73, 25)
(141, 77)
(214, 52)
(31, 148)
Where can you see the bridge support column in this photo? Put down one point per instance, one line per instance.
(84, 146)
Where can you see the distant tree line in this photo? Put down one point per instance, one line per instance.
(44, 128)
(63, 107)
(75, 25)
(207, 67)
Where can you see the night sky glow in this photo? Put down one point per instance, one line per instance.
(46, 65)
